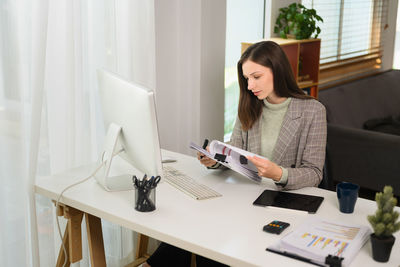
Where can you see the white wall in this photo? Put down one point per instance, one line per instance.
(389, 36)
(271, 13)
(190, 61)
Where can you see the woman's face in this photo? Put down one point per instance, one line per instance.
(260, 80)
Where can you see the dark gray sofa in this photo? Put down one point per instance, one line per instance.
(368, 158)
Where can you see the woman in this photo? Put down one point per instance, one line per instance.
(276, 120)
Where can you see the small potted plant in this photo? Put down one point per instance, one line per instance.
(384, 225)
(298, 21)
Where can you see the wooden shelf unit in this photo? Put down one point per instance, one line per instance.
(308, 51)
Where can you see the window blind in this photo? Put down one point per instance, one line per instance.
(350, 35)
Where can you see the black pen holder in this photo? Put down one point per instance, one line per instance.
(145, 199)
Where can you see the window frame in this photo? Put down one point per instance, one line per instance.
(342, 70)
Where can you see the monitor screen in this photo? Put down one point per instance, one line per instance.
(131, 107)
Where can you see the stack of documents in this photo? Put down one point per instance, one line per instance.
(318, 238)
(234, 158)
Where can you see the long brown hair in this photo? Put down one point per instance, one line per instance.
(268, 54)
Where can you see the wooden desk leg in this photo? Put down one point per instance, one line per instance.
(141, 251)
(143, 242)
(61, 255)
(74, 233)
(193, 260)
(95, 238)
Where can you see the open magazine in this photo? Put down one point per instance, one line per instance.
(231, 157)
(317, 238)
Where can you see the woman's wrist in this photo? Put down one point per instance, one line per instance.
(284, 177)
(277, 175)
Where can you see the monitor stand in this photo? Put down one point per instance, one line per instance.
(111, 149)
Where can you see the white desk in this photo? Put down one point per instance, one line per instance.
(227, 229)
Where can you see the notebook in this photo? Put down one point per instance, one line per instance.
(288, 200)
(317, 238)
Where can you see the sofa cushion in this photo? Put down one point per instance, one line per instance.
(390, 125)
(354, 103)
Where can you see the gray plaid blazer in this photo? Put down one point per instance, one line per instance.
(300, 146)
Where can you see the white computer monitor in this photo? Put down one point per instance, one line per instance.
(129, 114)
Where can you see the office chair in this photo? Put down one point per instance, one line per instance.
(326, 182)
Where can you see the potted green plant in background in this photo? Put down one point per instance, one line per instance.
(298, 21)
(384, 225)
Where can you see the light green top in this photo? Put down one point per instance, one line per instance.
(272, 118)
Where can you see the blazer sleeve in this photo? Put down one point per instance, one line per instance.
(310, 168)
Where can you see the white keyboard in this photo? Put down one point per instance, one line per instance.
(187, 184)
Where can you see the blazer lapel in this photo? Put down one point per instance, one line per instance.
(254, 138)
(288, 130)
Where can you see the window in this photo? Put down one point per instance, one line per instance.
(350, 36)
(244, 22)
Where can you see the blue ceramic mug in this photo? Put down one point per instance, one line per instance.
(347, 194)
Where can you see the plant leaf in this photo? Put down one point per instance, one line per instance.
(299, 20)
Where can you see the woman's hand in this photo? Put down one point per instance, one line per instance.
(206, 161)
(266, 168)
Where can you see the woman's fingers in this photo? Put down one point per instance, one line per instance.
(199, 155)
(259, 162)
(206, 161)
(266, 168)
(261, 165)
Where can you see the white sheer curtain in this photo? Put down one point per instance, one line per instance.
(49, 114)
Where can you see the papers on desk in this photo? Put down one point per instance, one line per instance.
(318, 238)
(231, 157)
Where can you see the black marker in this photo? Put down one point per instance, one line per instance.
(204, 146)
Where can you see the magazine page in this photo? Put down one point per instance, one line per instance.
(234, 155)
(231, 161)
(318, 238)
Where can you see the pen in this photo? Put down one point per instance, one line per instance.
(204, 146)
(294, 256)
